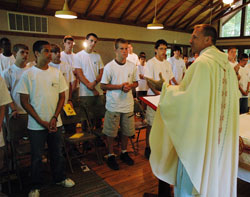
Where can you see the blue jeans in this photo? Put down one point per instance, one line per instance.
(57, 162)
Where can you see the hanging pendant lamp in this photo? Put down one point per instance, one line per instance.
(155, 24)
(65, 12)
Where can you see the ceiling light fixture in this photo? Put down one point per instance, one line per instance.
(155, 24)
(227, 1)
(65, 12)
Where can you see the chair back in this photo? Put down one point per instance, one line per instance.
(79, 117)
(17, 127)
(97, 109)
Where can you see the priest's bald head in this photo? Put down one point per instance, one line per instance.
(203, 36)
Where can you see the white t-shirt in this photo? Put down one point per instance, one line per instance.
(117, 100)
(244, 78)
(4, 100)
(68, 58)
(133, 58)
(6, 62)
(233, 64)
(43, 88)
(142, 83)
(90, 63)
(30, 64)
(67, 73)
(12, 75)
(154, 67)
(178, 68)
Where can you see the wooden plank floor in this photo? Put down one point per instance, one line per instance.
(129, 180)
(138, 179)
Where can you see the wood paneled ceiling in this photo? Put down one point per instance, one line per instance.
(178, 15)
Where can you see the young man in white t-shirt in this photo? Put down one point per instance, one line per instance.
(89, 69)
(4, 100)
(131, 55)
(6, 57)
(178, 64)
(42, 93)
(232, 52)
(66, 70)
(244, 82)
(119, 77)
(142, 88)
(68, 56)
(12, 76)
(154, 67)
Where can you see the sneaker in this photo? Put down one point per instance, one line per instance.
(126, 159)
(66, 183)
(111, 162)
(147, 152)
(34, 193)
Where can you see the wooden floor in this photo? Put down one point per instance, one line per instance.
(129, 180)
(138, 179)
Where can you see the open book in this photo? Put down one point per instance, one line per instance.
(151, 101)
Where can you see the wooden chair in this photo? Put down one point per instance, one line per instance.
(5, 175)
(16, 134)
(88, 136)
(140, 122)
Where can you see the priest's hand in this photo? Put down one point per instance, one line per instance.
(155, 84)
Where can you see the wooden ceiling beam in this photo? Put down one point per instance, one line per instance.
(210, 15)
(142, 11)
(72, 3)
(230, 12)
(152, 10)
(204, 9)
(88, 8)
(108, 8)
(45, 4)
(19, 4)
(91, 7)
(133, 9)
(179, 17)
(159, 10)
(115, 7)
(173, 9)
(126, 10)
(203, 19)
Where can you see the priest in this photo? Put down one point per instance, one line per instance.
(194, 137)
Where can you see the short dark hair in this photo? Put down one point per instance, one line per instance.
(4, 39)
(142, 55)
(68, 38)
(16, 47)
(208, 30)
(159, 42)
(55, 48)
(230, 48)
(38, 45)
(176, 48)
(120, 40)
(243, 56)
(91, 34)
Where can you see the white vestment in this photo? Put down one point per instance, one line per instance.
(197, 122)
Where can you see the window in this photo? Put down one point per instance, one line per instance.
(232, 27)
(168, 53)
(247, 51)
(247, 21)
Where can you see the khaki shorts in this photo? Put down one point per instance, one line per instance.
(112, 121)
(150, 114)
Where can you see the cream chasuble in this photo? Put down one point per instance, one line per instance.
(197, 122)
